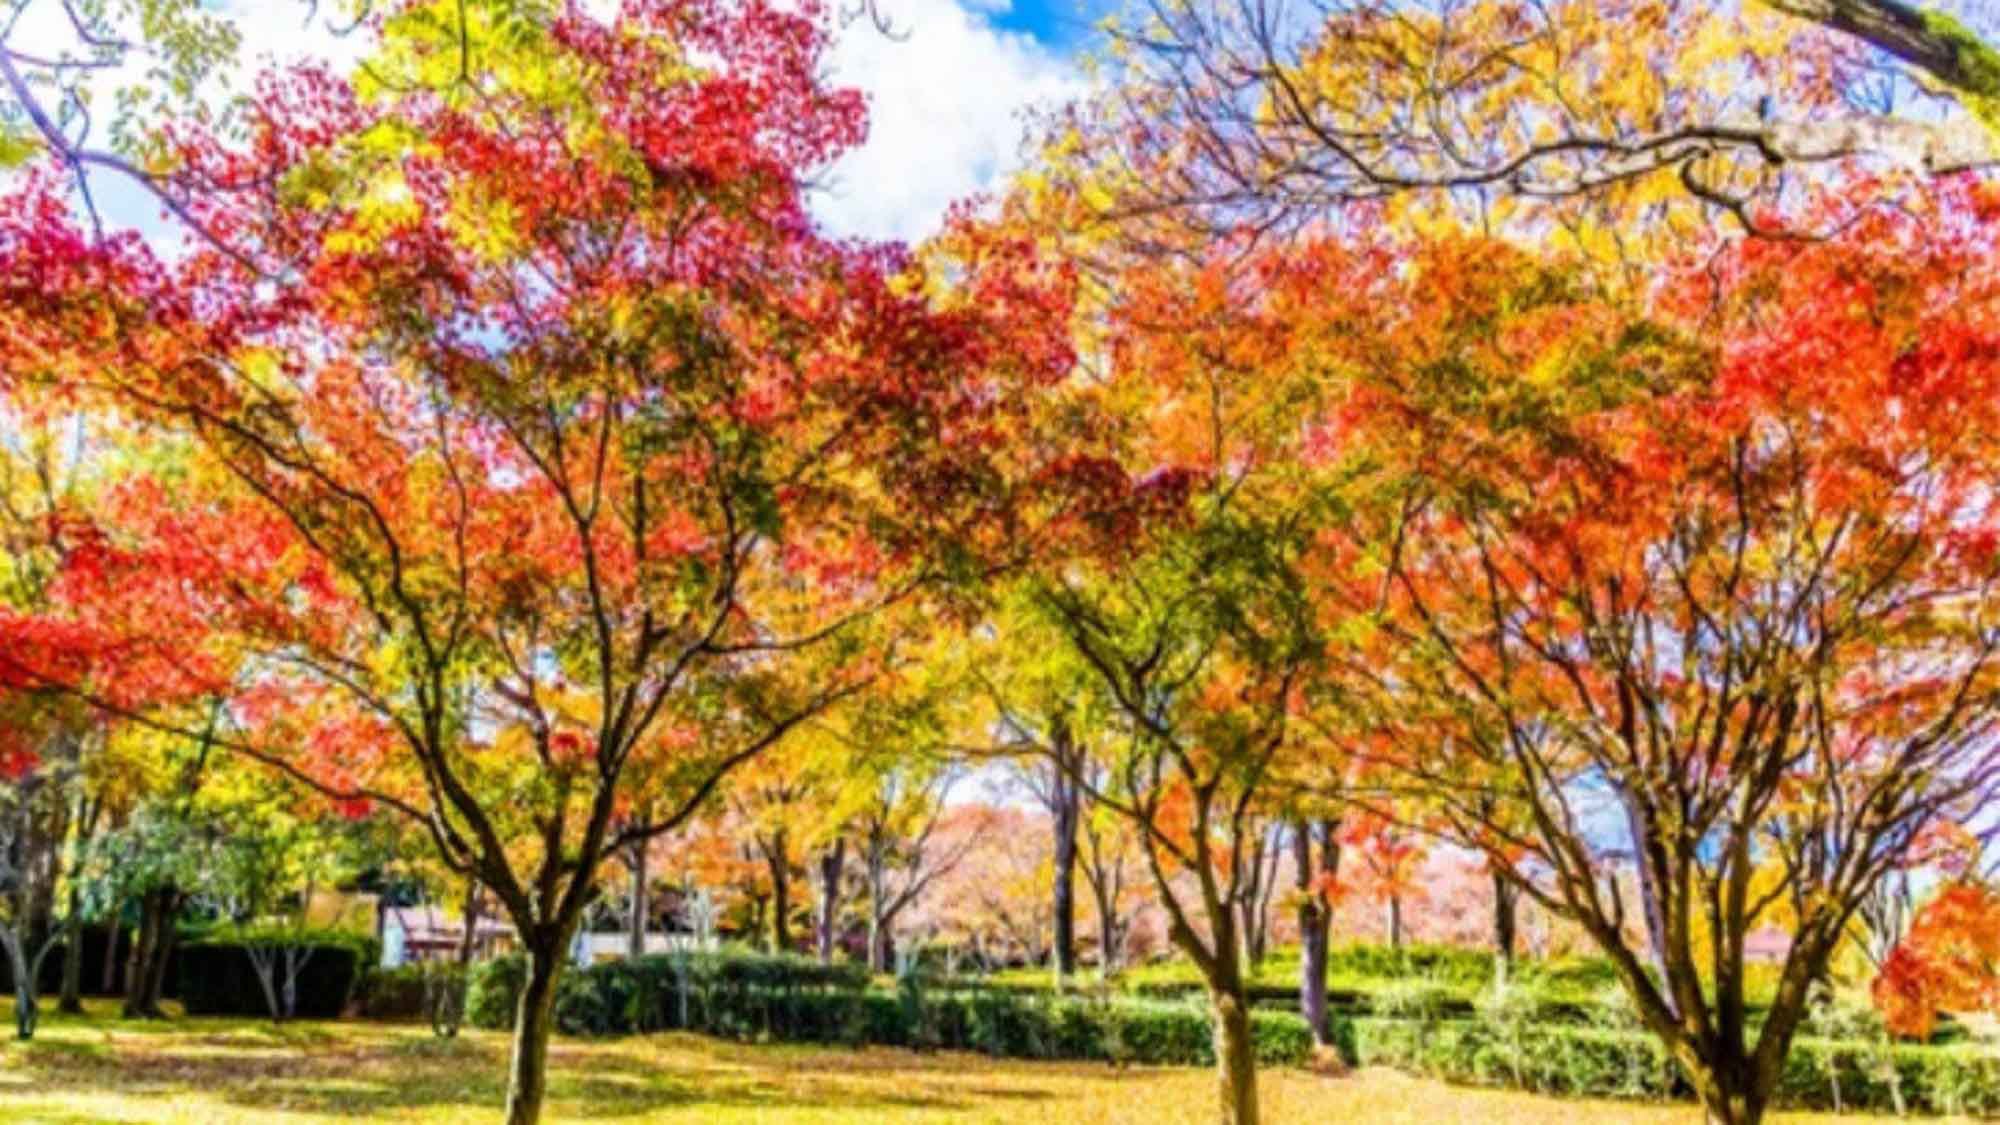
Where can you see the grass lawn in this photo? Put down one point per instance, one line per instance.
(225, 1072)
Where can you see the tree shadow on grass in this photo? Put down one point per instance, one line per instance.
(346, 1073)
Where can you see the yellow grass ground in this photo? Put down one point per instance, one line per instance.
(232, 1072)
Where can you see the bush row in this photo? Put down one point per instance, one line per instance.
(712, 995)
(765, 998)
(1578, 1061)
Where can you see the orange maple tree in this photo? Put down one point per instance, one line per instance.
(1949, 961)
(549, 449)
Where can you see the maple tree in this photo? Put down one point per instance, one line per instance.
(1948, 961)
(69, 602)
(1665, 577)
(1180, 505)
(1388, 855)
(533, 402)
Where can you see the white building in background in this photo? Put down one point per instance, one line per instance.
(593, 948)
(424, 933)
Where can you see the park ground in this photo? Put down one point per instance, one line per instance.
(81, 1071)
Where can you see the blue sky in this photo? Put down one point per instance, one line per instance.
(1062, 24)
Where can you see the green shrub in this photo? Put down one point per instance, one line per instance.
(1549, 1058)
(218, 977)
(392, 994)
(494, 990)
(408, 992)
(1572, 1060)
(1442, 963)
(793, 999)
(1413, 999)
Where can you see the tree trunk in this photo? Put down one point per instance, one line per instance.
(878, 917)
(1107, 936)
(1726, 1102)
(1256, 899)
(135, 959)
(446, 991)
(878, 943)
(138, 967)
(163, 948)
(70, 1001)
(1395, 921)
(635, 921)
(1638, 821)
(113, 932)
(1314, 923)
(1235, 1060)
(1066, 799)
(1506, 911)
(468, 939)
(528, 1074)
(781, 893)
(830, 867)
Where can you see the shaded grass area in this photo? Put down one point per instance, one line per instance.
(226, 1072)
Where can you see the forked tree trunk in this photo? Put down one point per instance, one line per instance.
(831, 865)
(528, 1073)
(147, 970)
(163, 949)
(1726, 1101)
(1107, 936)
(25, 963)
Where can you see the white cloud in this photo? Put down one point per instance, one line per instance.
(945, 98)
(944, 101)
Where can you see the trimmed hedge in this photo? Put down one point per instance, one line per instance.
(793, 999)
(765, 998)
(1583, 1061)
(217, 977)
